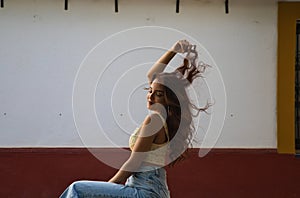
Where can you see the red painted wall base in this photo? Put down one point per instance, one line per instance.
(42, 172)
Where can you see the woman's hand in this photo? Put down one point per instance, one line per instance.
(181, 46)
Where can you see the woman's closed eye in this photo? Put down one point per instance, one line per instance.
(147, 88)
(158, 93)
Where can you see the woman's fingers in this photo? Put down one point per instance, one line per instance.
(181, 46)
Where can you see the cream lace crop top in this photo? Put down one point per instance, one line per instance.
(158, 152)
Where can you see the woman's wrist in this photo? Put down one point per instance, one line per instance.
(172, 50)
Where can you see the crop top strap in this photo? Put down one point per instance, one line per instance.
(167, 131)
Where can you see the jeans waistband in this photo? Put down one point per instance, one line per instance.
(151, 168)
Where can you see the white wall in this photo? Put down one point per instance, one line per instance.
(42, 47)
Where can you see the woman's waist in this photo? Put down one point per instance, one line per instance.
(148, 166)
(152, 174)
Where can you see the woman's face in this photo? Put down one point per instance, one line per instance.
(156, 94)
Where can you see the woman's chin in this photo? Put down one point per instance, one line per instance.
(150, 107)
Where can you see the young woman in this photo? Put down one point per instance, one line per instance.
(163, 137)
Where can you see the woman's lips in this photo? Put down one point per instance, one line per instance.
(150, 103)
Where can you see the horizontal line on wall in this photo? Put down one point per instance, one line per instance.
(64, 150)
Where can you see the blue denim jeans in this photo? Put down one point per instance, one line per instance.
(150, 184)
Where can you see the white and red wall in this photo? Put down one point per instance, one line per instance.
(42, 47)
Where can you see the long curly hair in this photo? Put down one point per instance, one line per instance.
(179, 107)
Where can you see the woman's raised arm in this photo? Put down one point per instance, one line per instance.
(160, 65)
